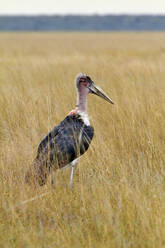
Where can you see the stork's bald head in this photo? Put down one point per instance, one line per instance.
(85, 84)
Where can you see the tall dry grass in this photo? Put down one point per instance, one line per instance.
(118, 194)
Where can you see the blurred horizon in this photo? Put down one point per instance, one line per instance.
(82, 22)
(78, 15)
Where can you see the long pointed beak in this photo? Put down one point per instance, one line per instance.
(94, 89)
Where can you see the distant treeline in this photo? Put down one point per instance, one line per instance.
(82, 23)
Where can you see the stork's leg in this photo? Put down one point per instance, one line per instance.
(72, 171)
(71, 175)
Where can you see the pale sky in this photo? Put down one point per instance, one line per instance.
(82, 6)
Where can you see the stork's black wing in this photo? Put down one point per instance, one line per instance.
(47, 139)
(66, 142)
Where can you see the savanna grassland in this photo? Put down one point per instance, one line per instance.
(118, 194)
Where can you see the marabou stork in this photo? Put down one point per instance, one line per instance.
(71, 138)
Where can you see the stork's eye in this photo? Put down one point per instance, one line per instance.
(82, 80)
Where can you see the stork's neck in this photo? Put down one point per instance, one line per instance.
(82, 99)
(82, 105)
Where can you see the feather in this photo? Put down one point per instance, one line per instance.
(66, 142)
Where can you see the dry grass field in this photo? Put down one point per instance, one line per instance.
(118, 194)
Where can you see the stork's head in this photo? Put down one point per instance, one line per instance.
(85, 84)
